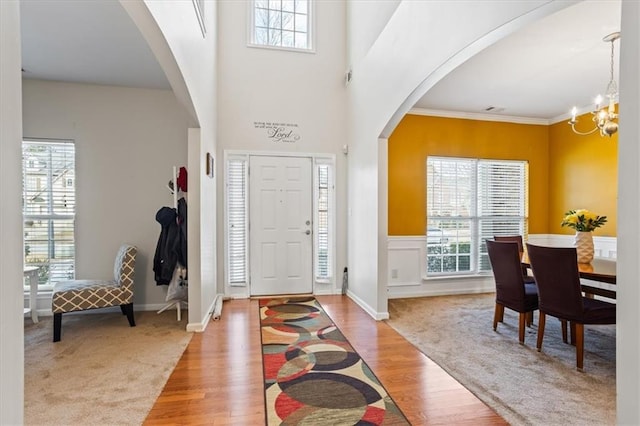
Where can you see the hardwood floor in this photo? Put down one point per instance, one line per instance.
(218, 380)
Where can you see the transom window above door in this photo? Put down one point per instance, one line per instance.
(285, 24)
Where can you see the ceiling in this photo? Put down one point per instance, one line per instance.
(86, 42)
(539, 72)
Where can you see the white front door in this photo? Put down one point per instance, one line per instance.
(280, 229)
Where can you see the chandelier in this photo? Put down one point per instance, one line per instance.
(604, 118)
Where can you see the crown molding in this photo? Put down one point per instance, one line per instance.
(567, 116)
(479, 116)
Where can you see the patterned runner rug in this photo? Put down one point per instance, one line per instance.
(312, 374)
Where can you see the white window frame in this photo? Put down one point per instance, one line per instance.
(311, 25)
(478, 254)
(228, 158)
(51, 216)
(317, 159)
(330, 277)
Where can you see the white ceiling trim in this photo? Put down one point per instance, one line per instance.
(567, 116)
(479, 116)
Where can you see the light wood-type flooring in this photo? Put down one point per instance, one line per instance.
(219, 381)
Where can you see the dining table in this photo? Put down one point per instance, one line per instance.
(600, 269)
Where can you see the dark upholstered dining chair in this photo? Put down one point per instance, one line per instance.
(518, 239)
(556, 272)
(511, 290)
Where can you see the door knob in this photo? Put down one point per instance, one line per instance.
(307, 232)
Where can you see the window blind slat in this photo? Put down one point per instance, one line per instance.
(237, 221)
(49, 208)
(323, 248)
(468, 201)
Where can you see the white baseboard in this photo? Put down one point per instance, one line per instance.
(444, 287)
(378, 316)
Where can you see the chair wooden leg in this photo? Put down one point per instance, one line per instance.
(498, 314)
(124, 311)
(572, 328)
(563, 325)
(579, 333)
(541, 323)
(128, 309)
(529, 318)
(521, 325)
(57, 326)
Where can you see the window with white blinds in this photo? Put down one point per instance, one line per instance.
(237, 221)
(49, 206)
(237, 217)
(469, 201)
(281, 23)
(323, 183)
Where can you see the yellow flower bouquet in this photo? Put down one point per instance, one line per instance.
(583, 220)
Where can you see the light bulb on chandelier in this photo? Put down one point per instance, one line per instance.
(604, 118)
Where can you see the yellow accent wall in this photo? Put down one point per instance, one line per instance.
(583, 174)
(417, 137)
(566, 171)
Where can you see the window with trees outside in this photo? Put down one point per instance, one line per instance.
(49, 206)
(281, 23)
(468, 202)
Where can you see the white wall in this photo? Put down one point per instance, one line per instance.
(127, 141)
(188, 58)
(11, 322)
(278, 86)
(367, 19)
(414, 50)
(628, 315)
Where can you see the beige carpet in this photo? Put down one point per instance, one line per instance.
(522, 385)
(102, 372)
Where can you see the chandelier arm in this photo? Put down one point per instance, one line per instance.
(573, 127)
(611, 74)
(604, 118)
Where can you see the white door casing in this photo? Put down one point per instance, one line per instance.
(280, 221)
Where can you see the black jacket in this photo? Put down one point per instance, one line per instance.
(172, 243)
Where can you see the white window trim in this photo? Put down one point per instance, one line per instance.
(474, 219)
(227, 278)
(311, 30)
(45, 288)
(317, 158)
(331, 219)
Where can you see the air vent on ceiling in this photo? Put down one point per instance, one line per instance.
(494, 109)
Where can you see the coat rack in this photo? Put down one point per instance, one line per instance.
(180, 302)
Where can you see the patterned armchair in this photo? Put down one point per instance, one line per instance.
(80, 295)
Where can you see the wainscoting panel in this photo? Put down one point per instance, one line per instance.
(408, 259)
(603, 246)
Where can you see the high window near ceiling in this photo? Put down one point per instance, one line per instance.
(281, 24)
(49, 206)
(468, 202)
